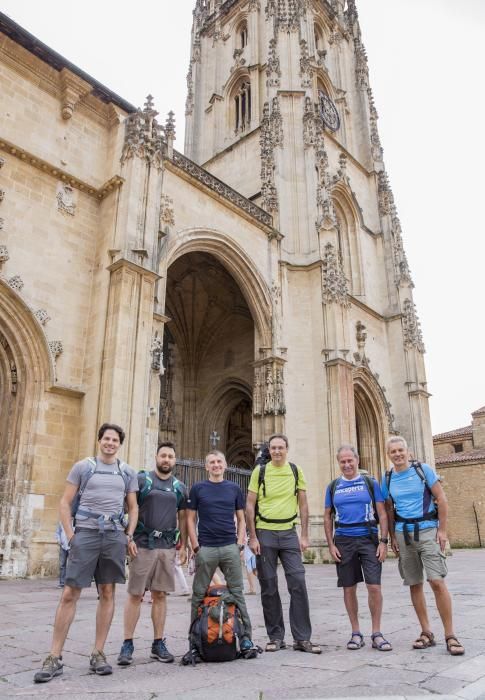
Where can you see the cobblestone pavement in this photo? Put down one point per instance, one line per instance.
(27, 611)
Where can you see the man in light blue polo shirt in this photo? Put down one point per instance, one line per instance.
(414, 499)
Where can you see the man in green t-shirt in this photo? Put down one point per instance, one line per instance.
(271, 511)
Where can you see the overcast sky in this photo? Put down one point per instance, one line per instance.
(426, 69)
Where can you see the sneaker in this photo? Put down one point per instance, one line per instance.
(98, 664)
(126, 654)
(160, 652)
(51, 668)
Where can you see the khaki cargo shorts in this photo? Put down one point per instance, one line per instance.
(152, 570)
(417, 557)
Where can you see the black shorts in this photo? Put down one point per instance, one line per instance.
(358, 561)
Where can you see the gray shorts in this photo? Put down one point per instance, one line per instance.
(359, 561)
(419, 557)
(152, 570)
(96, 554)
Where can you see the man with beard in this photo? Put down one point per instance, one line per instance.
(162, 501)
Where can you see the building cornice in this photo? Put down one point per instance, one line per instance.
(54, 171)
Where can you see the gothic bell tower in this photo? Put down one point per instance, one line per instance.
(279, 107)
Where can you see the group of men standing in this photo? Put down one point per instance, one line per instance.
(149, 515)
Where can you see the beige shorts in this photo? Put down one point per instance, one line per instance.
(417, 557)
(152, 570)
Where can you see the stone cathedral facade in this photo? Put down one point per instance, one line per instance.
(257, 283)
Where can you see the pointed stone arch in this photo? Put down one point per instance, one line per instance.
(349, 225)
(373, 421)
(232, 256)
(26, 371)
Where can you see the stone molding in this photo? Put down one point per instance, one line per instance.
(73, 89)
(216, 185)
(58, 173)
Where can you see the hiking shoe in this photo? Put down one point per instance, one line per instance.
(98, 664)
(160, 652)
(51, 668)
(126, 654)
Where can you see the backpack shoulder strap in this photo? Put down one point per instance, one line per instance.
(388, 481)
(369, 482)
(147, 485)
(294, 469)
(124, 474)
(418, 468)
(262, 471)
(87, 474)
(333, 488)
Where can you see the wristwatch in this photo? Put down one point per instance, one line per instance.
(384, 540)
(196, 549)
(129, 537)
(241, 547)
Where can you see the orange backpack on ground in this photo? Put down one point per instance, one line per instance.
(216, 630)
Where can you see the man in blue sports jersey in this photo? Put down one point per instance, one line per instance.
(415, 500)
(353, 499)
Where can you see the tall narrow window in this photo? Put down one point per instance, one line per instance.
(242, 108)
(243, 35)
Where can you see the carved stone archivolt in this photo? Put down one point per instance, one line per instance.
(271, 136)
(269, 391)
(65, 199)
(413, 337)
(334, 282)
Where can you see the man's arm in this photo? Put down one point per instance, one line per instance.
(391, 526)
(132, 506)
(251, 522)
(328, 527)
(304, 517)
(241, 527)
(442, 505)
(192, 533)
(382, 546)
(65, 509)
(182, 522)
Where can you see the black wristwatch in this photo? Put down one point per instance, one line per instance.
(196, 549)
(241, 547)
(384, 540)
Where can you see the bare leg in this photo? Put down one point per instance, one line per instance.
(251, 580)
(419, 604)
(159, 613)
(352, 606)
(443, 603)
(375, 606)
(104, 613)
(64, 616)
(131, 614)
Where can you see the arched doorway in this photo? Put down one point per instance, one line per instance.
(372, 421)
(210, 340)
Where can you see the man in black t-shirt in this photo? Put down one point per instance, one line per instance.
(162, 501)
(217, 543)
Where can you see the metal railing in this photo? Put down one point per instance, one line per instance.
(189, 471)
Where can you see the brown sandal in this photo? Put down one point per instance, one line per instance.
(425, 640)
(454, 647)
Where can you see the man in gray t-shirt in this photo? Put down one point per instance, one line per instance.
(96, 493)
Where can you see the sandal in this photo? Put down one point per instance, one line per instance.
(454, 647)
(380, 646)
(425, 640)
(305, 645)
(352, 645)
(275, 645)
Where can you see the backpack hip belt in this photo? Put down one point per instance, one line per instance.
(171, 536)
(414, 521)
(102, 518)
(365, 523)
(277, 520)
